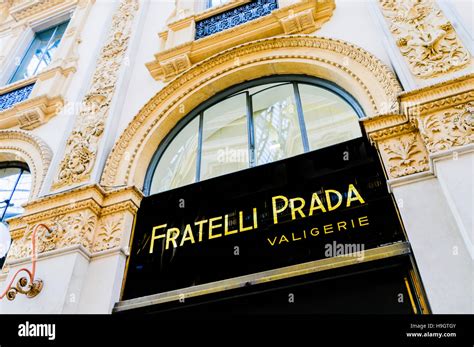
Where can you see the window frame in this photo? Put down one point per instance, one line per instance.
(241, 88)
(15, 165)
(28, 47)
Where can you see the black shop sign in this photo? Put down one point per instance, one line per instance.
(316, 205)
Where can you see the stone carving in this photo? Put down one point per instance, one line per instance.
(404, 155)
(174, 66)
(83, 143)
(85, 216)
(30, 149)
(301, 22)
(109, 233)
(65, 230)
(301, 46)
(449, 128)
(425, 37)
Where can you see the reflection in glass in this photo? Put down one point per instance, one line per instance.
(15, 184)
(276, 125)
(284, 118)
(212, 3)
(177, 165)
(40, 52)
(225, 139)
(328, 118)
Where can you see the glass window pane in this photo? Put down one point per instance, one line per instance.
(39, 54)
(225, 138)
(212, 3)
(329, 119)
(8, 178)
(20, 195)
(177, 165)
(276, 125)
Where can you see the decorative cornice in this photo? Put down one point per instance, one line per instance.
(82, 145)
(87, 216)
(23, 9)
(383, 121)
(302, 47)
(438, 96)
(302, 16)
(392, 131)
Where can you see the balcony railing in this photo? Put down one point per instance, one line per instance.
(9, 99)
(236, 16)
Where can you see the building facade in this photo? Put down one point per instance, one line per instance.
(112, 111)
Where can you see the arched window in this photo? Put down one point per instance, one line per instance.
(15, 185)
(253, 124)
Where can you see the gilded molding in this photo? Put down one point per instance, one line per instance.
(399, 143)
(438, 96)
(23, 9)
(299, 17)
(89, 216)
(314, 50)
(82, 145)
(425, 37)
(24, 146)
(404, 155)
(109, 233)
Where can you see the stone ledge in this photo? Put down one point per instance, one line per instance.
(301, 17)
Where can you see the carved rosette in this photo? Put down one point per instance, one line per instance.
(448, 128)
(425, 37)
(82, 145)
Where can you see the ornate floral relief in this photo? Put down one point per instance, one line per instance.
(109, 233)
(82, 216)
(66, 230)
(404, 155)
(82, 145)
(449, 128)
(425, 37)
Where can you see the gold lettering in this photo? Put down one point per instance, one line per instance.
(328, 199)
(353, 190)
(255, 226)
(156, 237)
(297, 209)
(314, 232)
(212, 227)
(274, 240)
(171, 235)
(340, 226)
(188, 235)
(363, 221)
(328, 229)
(241, 223)
(274, 205)
(201, 228)
(293, 237)
(316, 200)
(226, 226)
(283, 239)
